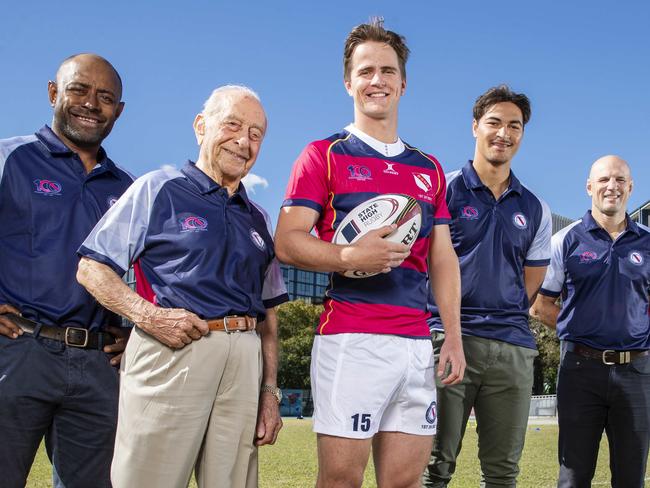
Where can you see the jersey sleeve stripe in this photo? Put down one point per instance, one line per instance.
(302, 202)
(537, 262)
(549, 293)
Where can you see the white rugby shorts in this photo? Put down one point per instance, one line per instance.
(366, 383)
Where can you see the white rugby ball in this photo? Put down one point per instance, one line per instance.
(387, 209)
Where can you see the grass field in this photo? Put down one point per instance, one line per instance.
(291, 463)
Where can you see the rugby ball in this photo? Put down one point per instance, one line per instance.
(387, 209)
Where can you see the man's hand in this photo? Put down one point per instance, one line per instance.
(7, 327)
(174, 327)
(374, 254)
(452, 357)
(121, 335)
(269, 422)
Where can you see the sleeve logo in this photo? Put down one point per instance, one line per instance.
(257, 239)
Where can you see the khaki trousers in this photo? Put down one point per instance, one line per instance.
(194, 407)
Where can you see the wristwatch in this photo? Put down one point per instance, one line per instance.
(274, 390)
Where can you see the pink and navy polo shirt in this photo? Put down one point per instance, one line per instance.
(334, 175)
(195, 246)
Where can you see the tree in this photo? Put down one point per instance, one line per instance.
(548, 361)
(296, 323)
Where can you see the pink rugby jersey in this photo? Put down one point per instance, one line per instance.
(334, 175)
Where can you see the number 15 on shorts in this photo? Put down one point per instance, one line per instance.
(361, 421)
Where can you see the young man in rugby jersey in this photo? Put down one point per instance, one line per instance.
(372, 364)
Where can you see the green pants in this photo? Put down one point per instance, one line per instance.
(497, 385)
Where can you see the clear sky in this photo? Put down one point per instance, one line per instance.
(584, 64)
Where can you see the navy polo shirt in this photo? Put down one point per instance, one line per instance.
(48, 205)
(196, 247)
(604, 285)
(494, 240)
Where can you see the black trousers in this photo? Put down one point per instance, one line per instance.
(594, 397)
(64, 394)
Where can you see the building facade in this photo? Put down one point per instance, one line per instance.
(308, 286)
(642, 214)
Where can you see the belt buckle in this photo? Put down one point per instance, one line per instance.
(66, 337)
(608, 363)
(225, 324)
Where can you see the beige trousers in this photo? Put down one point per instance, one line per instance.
(194, 407)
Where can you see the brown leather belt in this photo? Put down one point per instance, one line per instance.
(607, 356)
(70, 336)
(233, 323)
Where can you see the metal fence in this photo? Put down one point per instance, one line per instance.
(543, 406)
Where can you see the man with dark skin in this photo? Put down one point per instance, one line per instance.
(57, 366)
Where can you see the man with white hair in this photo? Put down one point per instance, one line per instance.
(600, 265)
(207, 278)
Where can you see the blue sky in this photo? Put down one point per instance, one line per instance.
(584, 64)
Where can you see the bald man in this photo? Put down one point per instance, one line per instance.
(58, 376)
(600, 266)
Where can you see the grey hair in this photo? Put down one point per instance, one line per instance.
(217, 101)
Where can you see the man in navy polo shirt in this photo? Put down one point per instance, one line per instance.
(600, 266)
(56, 379)
(501, 232)
(204, 252)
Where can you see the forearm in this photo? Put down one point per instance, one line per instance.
(305, 251)
(111, 292)
(533, 279)
(269, 336)
(546, 310)
(444, 275)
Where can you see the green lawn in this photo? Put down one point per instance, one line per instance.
(291, 463)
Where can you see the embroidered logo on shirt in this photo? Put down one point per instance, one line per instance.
(358, 172)
(588, 257)
(193, 223)
(111, 200)
(423, 181)
(389, 168)
(257, 239)
(636, 258)
(48, 188)
(520, 220)
(469, 213)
